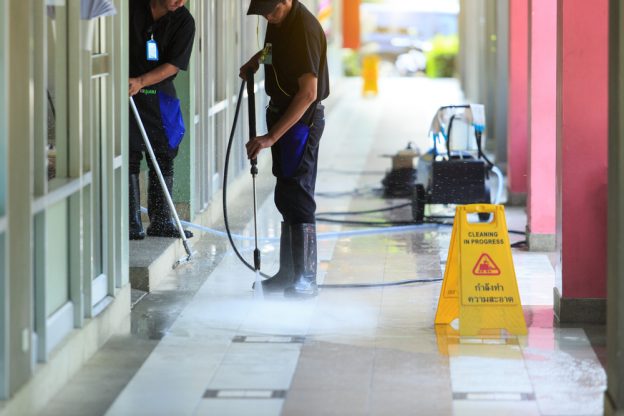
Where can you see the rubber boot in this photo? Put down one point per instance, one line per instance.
(135, 227)
(303, 238)
(161, 223)
(284, 276)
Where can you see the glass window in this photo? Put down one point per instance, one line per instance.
(3, 386)
(56, 86)
(221, 39)
(57, 257)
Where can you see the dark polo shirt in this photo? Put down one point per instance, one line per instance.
(173, 33)
(299, 46)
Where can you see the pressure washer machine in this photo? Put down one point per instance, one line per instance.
(455, 170)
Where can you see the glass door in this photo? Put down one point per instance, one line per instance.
(96, 117)
(53, 308)
(102, 157)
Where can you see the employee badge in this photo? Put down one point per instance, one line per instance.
(152, 50)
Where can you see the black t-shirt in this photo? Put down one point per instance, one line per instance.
(298, 46)
(173, 33)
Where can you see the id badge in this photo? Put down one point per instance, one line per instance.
(152, 50)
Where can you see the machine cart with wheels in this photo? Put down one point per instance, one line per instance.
(455, 170)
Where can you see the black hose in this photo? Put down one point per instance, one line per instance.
(368, 211)
(373, 285)
(225, 177)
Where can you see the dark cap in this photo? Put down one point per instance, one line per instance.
(262, 7)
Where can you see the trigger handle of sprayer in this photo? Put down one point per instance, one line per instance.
(257, 259)
(251, 103)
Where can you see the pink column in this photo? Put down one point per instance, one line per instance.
(582, 146)
(541, 199)
(518, 105)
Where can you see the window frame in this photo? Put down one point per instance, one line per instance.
(4, 46)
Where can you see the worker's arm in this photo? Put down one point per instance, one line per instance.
(152, 77)
(298, 106)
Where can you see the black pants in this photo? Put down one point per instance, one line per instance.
(150, 111)
(165, 161)
(294, 196)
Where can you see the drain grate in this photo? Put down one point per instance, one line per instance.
(244, 394)
(492, 396)
(268, 339)
(490, 341)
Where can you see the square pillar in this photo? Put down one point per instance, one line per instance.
(351, 24)
(541, 199)
(518, 101)
(580, 292)
(19, 242)
(614, 396)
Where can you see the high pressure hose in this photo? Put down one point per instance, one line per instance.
(225, 177)
(345, 233)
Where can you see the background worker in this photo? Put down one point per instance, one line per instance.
(161, 40)
(296, 79)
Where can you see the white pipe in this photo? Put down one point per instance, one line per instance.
(501, 183)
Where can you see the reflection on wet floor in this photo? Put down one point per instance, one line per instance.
(365, 351)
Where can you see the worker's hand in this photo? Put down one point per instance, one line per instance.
(134, 86)
(252, 64)
(255, 145)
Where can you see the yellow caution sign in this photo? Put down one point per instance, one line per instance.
(370, 74)
(479, 284)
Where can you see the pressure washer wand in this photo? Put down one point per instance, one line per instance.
(251, 102)
(163, 185)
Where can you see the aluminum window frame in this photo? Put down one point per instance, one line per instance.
(4, 46)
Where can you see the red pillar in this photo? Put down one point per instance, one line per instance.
(518, 123)
(541, 199)
(351, 24)
(582, 145)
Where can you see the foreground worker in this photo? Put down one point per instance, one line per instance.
(161, 40)
(296, 79)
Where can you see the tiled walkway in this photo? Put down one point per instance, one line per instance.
(371, 351)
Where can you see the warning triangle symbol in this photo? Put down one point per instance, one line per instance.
(485, 266)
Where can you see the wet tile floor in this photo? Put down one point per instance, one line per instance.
(365, 351)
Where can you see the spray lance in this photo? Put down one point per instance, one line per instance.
(251, 103)
(254, 171)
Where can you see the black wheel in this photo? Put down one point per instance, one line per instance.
(418, 203)
(484, 216)
(487, 199)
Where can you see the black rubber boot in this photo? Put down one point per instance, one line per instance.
(161, 223)
(303, 238)
(135, 227)
(284, 276)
